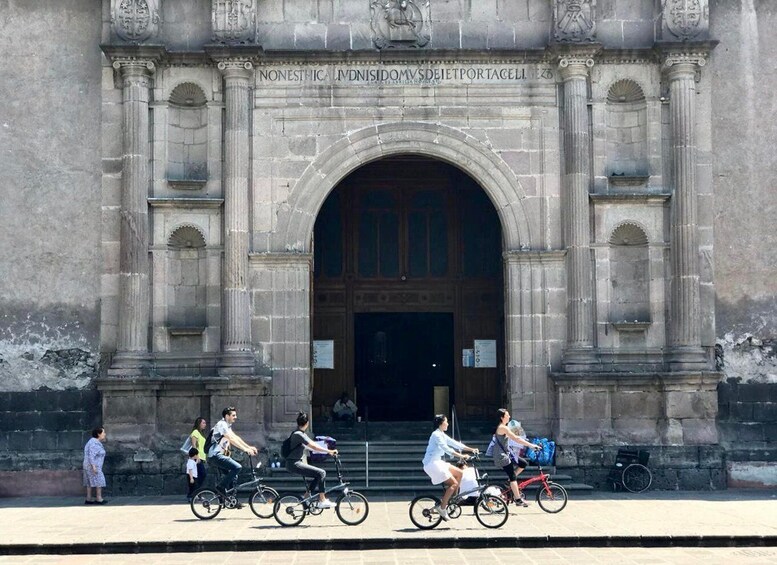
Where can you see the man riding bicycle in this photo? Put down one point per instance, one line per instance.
(223, 438)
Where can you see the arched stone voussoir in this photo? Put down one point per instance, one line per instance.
(297, 218)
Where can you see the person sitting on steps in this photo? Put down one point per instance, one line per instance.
(440, 471)
(296, 462)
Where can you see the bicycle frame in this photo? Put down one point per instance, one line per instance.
(341, 486)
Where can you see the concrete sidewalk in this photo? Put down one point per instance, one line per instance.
(164, 524)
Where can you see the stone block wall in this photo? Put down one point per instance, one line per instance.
(672, 467)
(42, 436)
(747, 424)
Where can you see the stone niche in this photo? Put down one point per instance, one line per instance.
(637, 409)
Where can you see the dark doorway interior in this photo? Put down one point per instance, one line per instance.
(400, 358)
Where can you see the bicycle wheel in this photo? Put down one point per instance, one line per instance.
(206, 503)
(637, 478)
(552, 498)
(262, 501)
(289, 510)
(423, 514)
(352, 508)
(491, 511)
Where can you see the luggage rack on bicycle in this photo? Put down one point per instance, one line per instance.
(630, 471)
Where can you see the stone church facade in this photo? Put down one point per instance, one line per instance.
(217, 130)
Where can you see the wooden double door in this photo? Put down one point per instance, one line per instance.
(407, 274)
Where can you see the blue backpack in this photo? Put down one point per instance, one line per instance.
(545, 455)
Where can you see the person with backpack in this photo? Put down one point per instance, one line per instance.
(512, 464)
(295, 448)
(219, 443)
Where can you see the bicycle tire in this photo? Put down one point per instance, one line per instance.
(552, 498)
(288, 510)
(491, 511)
(262, 501)
(636, 478)
(352, 508)
(206, 503)
(422, 512)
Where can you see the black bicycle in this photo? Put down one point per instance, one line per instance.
(207, 502)
(351, 507)
(490, 510)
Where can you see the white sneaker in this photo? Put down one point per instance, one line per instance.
(326, 504)
(442, 512)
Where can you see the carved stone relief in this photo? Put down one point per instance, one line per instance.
(233, 20)
(685, 19)
(574, 20)
(400, 23)
(135, 20)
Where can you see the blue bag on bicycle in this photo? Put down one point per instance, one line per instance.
(325, 442)
(545, 455)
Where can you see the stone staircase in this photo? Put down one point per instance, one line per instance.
(385, 458)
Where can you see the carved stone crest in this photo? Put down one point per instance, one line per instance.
(135, 20)
(685, 19)
(574, 20)
(400, 23)
(233, 20)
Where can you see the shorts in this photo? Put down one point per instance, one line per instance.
(510, 468)
(439, 471)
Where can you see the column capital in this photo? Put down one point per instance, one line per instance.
(235, 68)
(575, 61)
(678, 63)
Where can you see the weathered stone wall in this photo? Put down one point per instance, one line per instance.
(50, 259)
(745, 174)
(747, 423)
(43, 433)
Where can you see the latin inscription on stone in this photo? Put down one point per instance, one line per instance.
(404, 74)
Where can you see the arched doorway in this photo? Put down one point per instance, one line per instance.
(407, 276)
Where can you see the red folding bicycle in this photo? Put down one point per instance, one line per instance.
(551, 497)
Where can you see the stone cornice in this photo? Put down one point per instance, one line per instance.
(271, 260)
(646, 197)
(703, 379)
(130, 53)
(187, 203)
(546, 256)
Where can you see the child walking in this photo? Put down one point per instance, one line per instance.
(191, 471)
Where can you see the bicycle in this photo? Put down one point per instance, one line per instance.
(551, 497)
(207, 502)
(351, 507)
(490, 510)
(630, 471)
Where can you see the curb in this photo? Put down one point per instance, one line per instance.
(387, 543)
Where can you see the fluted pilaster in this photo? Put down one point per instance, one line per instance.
(577, 175)
(132, 345)
(237, 316)
(685, 318)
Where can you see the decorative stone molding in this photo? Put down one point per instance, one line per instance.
(134, 70)
(234, 21)
(235, 68)
(135, 20)
(400, 23)
(684, 19)
(674, 61)
(574, 20)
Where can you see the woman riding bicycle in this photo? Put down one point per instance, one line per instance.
(438, 470)
(512, 464)
(296, 462)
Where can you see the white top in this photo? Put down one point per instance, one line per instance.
(191, 468)
(440, 443)
(220, 442)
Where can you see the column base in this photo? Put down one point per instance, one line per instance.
(687, 359)
(580, 360)
(237, 363)
(130, 364)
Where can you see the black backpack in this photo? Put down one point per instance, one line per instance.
(286, 446)
(209, 441)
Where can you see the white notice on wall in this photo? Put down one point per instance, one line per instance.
(324, 354)
(468, 358)
(485, 353)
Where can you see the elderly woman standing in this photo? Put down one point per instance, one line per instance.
(94, 456)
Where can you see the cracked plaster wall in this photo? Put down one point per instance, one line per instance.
(49, 193)
(745, 180)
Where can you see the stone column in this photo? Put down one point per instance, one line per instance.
(237, 356)
(685, 319)
(576, 180)
(132, 346)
